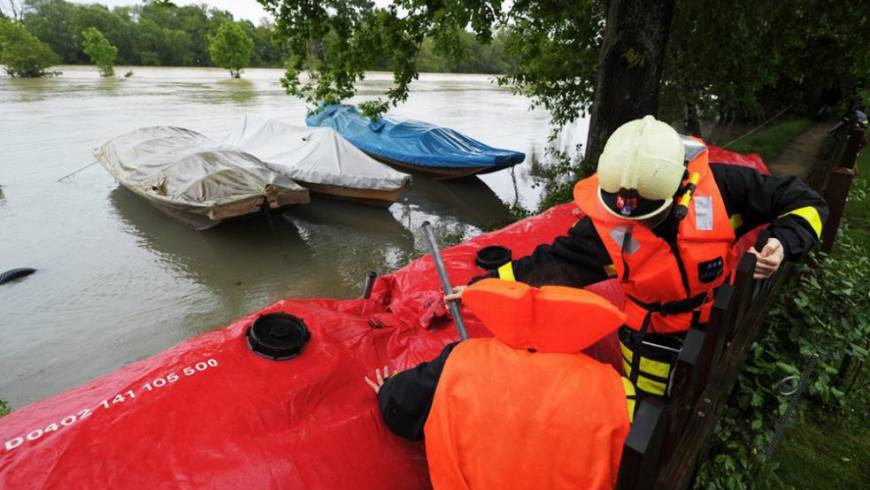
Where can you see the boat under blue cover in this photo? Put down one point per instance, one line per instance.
(414, 144)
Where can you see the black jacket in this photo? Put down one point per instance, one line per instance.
(406, 397)
(755, 197)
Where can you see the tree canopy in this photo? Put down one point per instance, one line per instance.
(725, 59)
(166, 34)
(100, 50)
(231, 48)
(153, 33)
(21, 53)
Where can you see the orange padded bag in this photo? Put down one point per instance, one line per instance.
(526, 410)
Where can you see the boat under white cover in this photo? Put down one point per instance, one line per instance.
(183, 171)
(318, 158)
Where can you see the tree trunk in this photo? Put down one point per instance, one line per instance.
(629, 67)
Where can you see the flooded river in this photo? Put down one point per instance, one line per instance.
(118, 281)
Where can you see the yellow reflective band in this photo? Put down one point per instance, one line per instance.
(736, 221)
(610, 270)
(650, 386)
(626, 351)
(655, 368)
(626, 368)
(811, 215)
(647, 365)
(506, 272)
(630, 397)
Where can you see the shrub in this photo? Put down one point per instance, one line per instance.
(21, 53)
(231, 48)
(825, 310)
(100, 50)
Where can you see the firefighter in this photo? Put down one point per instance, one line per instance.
(525, 409)
(662, 219)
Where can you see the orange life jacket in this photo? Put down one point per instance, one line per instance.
(525, 409)
(670, 282)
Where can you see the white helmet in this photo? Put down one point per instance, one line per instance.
(640, 169)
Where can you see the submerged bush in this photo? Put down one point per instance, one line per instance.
(21, 53)
(100, 50)
(231, 48)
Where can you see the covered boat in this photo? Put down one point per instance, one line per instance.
(212, 413)
(414, 145)
(189, 176)
(319, 159)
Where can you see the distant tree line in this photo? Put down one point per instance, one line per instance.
(160, 33)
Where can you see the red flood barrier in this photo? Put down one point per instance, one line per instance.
(211, 413)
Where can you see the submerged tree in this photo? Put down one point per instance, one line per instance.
(21, 53)
(231, 48)
(100, 50)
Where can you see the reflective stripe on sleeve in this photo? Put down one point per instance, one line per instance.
(811, 216)
(506, 272)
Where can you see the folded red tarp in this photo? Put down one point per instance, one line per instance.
(209, 413)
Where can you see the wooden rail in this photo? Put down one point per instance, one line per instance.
(669, 439)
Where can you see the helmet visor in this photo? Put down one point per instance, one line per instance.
(629, 205)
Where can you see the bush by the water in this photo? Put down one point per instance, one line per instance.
(231, 48)
(100, 50)
(21, 53)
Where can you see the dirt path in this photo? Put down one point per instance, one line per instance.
(799, 156)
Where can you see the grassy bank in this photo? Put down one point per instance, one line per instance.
(4, 408)
(770, 141)
(830, 449)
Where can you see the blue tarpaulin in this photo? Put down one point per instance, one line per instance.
(411, 142)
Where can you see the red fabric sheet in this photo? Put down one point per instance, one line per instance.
(209, 413)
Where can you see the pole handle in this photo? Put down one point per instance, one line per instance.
(453, 305)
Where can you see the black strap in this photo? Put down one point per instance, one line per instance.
(672, 307)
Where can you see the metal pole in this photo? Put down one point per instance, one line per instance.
(77, 171)
(369, 284)
(795, 396)
(445, 280)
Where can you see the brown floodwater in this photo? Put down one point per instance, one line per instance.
(118, 280)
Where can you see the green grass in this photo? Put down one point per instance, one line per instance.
(770, 141)
(824, 455)
(835, 453)
(857, 211)
(4, 408)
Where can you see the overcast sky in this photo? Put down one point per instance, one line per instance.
(245, 9)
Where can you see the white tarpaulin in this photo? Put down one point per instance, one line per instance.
(186, 170)
(313, 155)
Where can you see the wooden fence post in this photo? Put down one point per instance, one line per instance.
(840, 179)
(642, 449)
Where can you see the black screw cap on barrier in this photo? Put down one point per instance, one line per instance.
(278, 336)
(493, 257)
